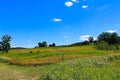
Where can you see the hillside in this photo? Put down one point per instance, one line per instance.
(55, 63)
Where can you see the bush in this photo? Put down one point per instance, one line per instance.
(105, 46)
(30, 52)
(38, 51)
(4, 59)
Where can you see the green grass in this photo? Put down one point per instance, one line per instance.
(60, 63)
(86, 69)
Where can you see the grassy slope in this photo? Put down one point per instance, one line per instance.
(64, 70)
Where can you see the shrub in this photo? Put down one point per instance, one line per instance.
(30, 52)
(38, 51)
(4, 59)
(105, 46)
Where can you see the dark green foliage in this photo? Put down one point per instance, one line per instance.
(91, 39)
(38, 51)
(110, 38)
(105, 46)
(30, 52)
(52, 45)
(5, 43)
(80, 43)
(102, 45)
(108, 41)
(42, 44)
(114, 39)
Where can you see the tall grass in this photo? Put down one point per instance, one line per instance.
(60, 63)
(52, 55)
(86, 69)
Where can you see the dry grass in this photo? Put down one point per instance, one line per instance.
(28, 69)
(52, 55)
(49, 60)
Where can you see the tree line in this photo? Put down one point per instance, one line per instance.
(44, 44)
(104, 41)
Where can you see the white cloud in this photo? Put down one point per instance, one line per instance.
(75, 1)
(85, 6)
(95, 38)
(66, 36)
(57, 20)
(112, 31)
(68, 3)
(84, 37)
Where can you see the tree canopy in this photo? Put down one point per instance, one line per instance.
(110, 38)
(5, 43)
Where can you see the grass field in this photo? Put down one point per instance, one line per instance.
(60, 63)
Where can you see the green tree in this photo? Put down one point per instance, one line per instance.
(114, 39)
(52, 45)
(105, 36)
(39, 44)
(91, 39)
(5, 43)
(42, 44)
(110, 38)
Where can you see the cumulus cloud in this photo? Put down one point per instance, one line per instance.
(95, 38)
(84, 37)
(57, 20)
(112, 31)
(68, 3)
(85, 6)
(71, 2)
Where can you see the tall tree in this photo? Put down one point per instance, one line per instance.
(42, 44)
(110, 38)
(91, 39)
(5, 43)
(114, 39)
(105, 36)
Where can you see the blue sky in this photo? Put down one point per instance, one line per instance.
(59, 21)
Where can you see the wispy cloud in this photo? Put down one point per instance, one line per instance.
(112, 31)
(66, 41)
(13, 45)
(57, 20)
(66, 36)
(29, 44)
(84, 6)
(68, 3)
(84, 37)
(75, 1)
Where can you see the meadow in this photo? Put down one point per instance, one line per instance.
(60, 63)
